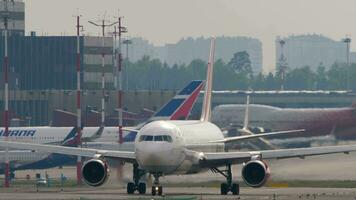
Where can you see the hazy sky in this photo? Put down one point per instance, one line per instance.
(166, 21)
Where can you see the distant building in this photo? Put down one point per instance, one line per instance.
(186, 50)
(16, 11)
(311, 50)
(49, 62)
(92, 63)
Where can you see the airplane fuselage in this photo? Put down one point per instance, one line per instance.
(317, 121)
(171, 147)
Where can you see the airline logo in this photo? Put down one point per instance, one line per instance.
(19, 133)
(180, 106)
(71, 139)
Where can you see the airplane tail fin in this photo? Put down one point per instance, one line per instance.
(180, 106)
(71, 139)
(96, 135)
(206, 109)
(247, 111)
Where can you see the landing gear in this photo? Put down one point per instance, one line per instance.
(136, 185)
(130, 188)
(156, 188)
(141, 188)
(234, 188)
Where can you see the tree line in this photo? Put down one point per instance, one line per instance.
(237, 74)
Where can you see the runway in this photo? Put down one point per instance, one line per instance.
(338, 167)
(181, 193)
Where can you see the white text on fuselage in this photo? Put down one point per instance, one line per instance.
(17, 133)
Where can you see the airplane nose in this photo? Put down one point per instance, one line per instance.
(158, 158)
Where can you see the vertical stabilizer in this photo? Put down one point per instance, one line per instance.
(246, 113)
(206, 110)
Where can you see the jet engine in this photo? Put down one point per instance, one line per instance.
(95, 172)
(255, 173)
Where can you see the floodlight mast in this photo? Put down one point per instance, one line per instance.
(282, 64)
(6, 92)
(347, 40)
(103, 26)
(79, 112)
(121, 30)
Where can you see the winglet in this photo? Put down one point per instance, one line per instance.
(246, 113)
(206, 110)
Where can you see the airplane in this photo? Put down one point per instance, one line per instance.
(167, 147)
(178, 108)
(258, 144)
(45, 134)
(27, 159)
(339, 122)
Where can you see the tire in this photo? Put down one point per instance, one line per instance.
(142, 188)
(130, 188)
(235, 189)
(153, 192)
(160, 190)
(223, 189)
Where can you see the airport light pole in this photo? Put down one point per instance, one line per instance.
(118, 84)
(79, 112)
(103, 26)
(282, 64)
(6, 93)
(347, 40)
(121, 30)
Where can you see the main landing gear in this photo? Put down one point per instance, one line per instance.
(156, 188)
(228, 186)
(136, 185)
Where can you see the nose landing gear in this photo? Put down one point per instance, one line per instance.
(136, 185)
(156, 188)
(234, 188)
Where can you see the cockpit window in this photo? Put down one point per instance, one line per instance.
(167, 138)
(145, 138)
(149, 138)
(157, 138)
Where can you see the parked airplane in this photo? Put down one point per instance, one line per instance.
(178, 107)
(258, 144)
(45, 134)
(340, 122)
(27, 159)
(183, 147)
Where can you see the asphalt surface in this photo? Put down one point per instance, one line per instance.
(329, 167)
(180, 193)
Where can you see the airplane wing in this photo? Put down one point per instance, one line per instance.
(216, 159)
(75, 151)
(130, 129)
(246, 137)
